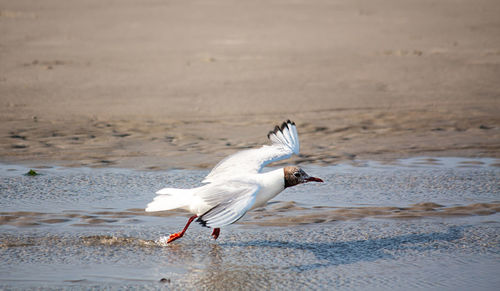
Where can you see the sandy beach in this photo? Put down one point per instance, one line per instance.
(157, 85)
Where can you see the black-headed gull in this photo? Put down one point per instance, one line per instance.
(236, 184)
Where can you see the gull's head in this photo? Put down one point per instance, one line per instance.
(295, 175)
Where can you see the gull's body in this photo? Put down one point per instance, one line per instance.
(237, 185)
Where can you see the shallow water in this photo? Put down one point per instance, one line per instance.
(415, 224)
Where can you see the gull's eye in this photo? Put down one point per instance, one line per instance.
(296, 174)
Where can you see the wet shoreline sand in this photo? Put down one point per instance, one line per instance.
(328, 138)
(284, 214)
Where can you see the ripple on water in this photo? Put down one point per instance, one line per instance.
(417, 224)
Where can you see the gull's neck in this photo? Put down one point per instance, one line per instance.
(271, 184)
(274, 177)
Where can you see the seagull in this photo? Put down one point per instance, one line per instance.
(237, 184)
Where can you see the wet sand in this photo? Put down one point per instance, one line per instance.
(156, 85)
(420, 223)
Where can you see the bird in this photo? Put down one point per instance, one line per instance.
(237, 184)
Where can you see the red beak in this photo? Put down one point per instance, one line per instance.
(313, 179)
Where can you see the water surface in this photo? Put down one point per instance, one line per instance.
(415, 224)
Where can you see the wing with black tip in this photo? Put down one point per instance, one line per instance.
(285, 143)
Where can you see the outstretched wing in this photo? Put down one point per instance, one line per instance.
(231, 201)
(285, 142)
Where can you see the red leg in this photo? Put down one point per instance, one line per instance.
(215, 233)
(177, 235)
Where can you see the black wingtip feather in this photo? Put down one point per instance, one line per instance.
(278, 128)
(201, 221)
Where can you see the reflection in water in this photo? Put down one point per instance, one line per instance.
(225, 265)
(341, 253)
(250, 258)
(218, 271)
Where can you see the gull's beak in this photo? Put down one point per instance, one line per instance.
(313, 179)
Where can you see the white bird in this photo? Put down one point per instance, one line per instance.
(236, 184)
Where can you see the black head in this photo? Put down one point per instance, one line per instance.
(295, 175)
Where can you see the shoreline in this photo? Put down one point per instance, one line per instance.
(327, 138)
(452, 162)
(129, 164)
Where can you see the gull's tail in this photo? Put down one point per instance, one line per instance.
(170, 198)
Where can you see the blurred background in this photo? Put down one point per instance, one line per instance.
(161, 84)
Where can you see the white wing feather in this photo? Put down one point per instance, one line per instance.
(285, 142)
(231, 199)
